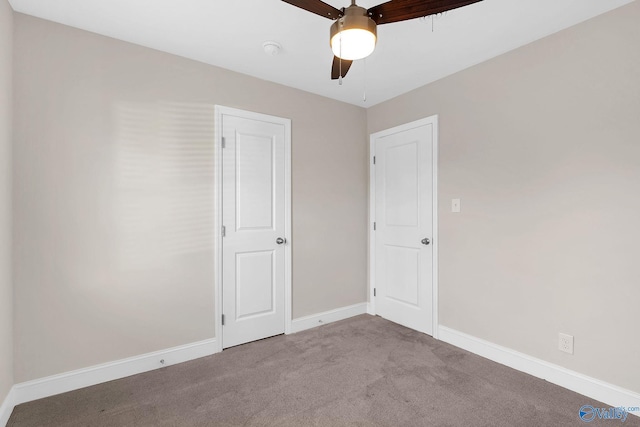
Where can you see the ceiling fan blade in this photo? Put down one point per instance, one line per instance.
(316, 6)
(337, 69)
(401, 10)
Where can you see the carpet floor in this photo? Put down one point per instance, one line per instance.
(363, 371)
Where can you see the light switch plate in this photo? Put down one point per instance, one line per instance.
(455, 205)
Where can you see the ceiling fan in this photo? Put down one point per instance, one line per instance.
(353, 34)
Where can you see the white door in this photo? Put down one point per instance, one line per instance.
(403, 248)
(255, 230)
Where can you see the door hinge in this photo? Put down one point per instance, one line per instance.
(224, 142)
(223, 320)
(374, 160)
(224, 231)
(374, 226)
(374, 292)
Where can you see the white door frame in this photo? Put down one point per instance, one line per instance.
(217, 212)
(433, 120)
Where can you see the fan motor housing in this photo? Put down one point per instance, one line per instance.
(355, 18)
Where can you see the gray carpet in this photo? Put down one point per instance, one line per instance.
(364, 371)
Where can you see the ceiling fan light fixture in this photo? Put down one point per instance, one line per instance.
(353, 36)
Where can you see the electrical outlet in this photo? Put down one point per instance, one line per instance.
(565, 343)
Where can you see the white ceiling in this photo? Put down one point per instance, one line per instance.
(230, 34)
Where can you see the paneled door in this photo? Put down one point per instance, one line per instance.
(254, 228)
(403, 248)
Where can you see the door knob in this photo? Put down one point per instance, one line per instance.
(281, 241)
(425, 241)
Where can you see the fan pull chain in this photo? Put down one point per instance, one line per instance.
(434, 16)
(340, 65)
(364, 95)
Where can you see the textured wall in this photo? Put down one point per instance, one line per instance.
(542, 146)
(6, 288)
(114, 185)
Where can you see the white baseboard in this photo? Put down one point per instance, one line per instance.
(585, 385)
(68, 381)
(7, 407)
(370, 309)
(330, 316)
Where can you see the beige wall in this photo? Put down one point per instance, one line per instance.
(113, 197)
(6, 288)
(543, 147)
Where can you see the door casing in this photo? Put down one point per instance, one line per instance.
(432, 120)
(220, 111)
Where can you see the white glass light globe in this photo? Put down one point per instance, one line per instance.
(352, 44)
